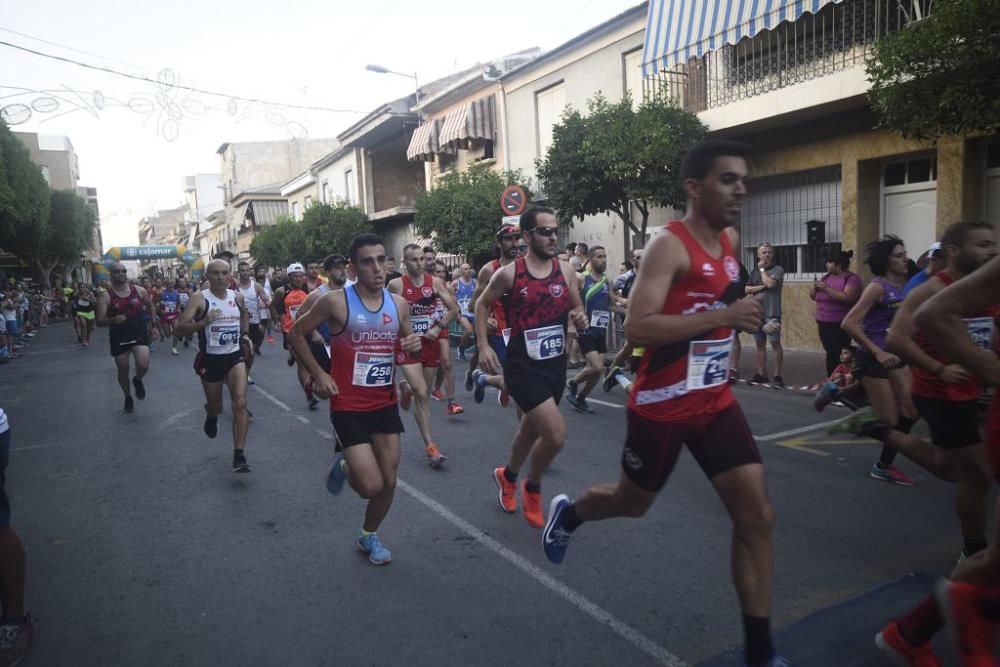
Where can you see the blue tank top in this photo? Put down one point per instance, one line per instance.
(169, 300)
(597, 299)
(362, 355)
(463, 294)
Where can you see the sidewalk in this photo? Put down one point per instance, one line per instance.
(803, 370)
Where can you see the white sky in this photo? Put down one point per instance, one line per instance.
(307, 52)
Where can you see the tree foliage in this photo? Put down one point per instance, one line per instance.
(24, 198)
(68, 232)
(324, 229)
(940, 75)
(614, 155)
(462, 212)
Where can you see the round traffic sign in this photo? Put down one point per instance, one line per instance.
(514, 200)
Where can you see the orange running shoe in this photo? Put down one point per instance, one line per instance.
(532, 502)
(508, 491)
(434, 456)
(455, 409)
(270, 338)
(503, 398)
(437, 395)
(971, 634)
(892, 644)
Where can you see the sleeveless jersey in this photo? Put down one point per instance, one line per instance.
(878, 318)
(169, 301)
(927, 384)
(183, 296)
(294, 298)
(537, 311)
(82, 305)
(222, 335)
(251, 302)
(131, 306)
(463, 294)
(500, 306)
(362, 355)
(268, 293)
(597, 300)
(690, 378)
(423, 304)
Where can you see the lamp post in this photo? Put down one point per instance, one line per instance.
(378, 69)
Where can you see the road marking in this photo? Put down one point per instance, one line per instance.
(272, 399)
(598, 613)
(302, 419)
(21, 449)
(610, 405)
(324, 434)
(177, 417)
(798, 431)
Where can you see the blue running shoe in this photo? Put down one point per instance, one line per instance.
(337, 476)
(377, 554)
(479, 379)
(825, 396)
(555, 538)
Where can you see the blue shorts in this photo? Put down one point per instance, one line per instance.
(4, 457)
(499, 348)
(12, 329)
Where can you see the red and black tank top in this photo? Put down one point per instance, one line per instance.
(423, 303)
(537, 311)
(131, 305)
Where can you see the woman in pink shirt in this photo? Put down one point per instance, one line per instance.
(834, 295)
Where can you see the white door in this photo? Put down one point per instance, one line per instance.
(911, 215)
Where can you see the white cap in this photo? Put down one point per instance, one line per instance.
(295, 267)
(934, 249)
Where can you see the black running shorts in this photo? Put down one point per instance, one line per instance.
(718, 442)
(355, 428)
(953, 424)
(530, 386)
(319, 354)
(215, 367)
(591, 343)
(868, 366)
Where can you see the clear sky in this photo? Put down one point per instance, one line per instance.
(136, 140)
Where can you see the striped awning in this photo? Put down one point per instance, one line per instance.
(677, 30)
(424, 143)
(474, 120)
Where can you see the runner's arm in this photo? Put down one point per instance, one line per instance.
(102, 311)
(278, 300)
(244, 315)
(186, 324)
(310, 301)
(645, 325)
(900, 339)
(395, 286)
(408, 341)
(851, 323)
(483, 279)
(577, 313)
(940, 319)
(449, 302)
(331, 307)
(499, 283)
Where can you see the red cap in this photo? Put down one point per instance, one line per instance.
(508, 229)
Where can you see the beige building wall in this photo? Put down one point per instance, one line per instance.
(341, 180)
(56, 156)
(464, 158)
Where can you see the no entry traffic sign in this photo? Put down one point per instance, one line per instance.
(513, 201)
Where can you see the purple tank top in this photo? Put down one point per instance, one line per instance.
(879, 317)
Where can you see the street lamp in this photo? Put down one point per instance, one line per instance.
(378, 69)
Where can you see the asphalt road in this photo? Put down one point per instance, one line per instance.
(145, 549)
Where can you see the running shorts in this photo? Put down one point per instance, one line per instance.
(119, 347)
(718, 442)
(4, 459)
(168, 317)
(254, 330)
(953, 424)
(530, 386)
(319, 354)
(215, 367)
(868, 366)
(591, 343)
(429, 355)
(499, 347)
(356, 427)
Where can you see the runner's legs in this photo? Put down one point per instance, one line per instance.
(541, 434)
(415, 375)
(371, 472)
(236, 378)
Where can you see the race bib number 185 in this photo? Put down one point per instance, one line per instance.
(544, 343)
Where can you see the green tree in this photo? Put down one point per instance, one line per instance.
(329, 228)
(278, 244)
(24, 198)
(940, 75)
(615, 155)
(68, 232)
(462, 212)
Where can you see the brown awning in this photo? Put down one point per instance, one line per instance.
(424, 142)
(474, 120)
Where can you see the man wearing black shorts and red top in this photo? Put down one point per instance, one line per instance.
(422, 291)
(366, 322)
(219, 316)
(126, 309)
(542, 295)
(970, 599)
(683, 309)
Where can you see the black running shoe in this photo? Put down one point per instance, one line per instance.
(140, 389)
(313, 402)
(240, 463)
(129, 404)
(211, 426)
(290, 361)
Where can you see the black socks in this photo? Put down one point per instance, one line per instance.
(757, 639)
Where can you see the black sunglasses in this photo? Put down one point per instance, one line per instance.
(545, 231)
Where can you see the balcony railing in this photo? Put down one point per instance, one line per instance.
(836, 38)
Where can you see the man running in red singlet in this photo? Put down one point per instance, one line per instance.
(366, 322)
(127, 310)
(284, 309)
(542, 295)
(421, 292)
(683, 309)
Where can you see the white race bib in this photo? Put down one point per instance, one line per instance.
(420, 324)
(599, 319)
(506, 336)
(463, 304)
(980, 331)
(372, 370)
(170, 306)
(82, 303)
(184, 297)
(293, 311)
(223, 338)
(708, 363)
(544, 342)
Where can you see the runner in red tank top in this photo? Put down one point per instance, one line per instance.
(683, 309)
(125, 308)
(970, 600)
(421, 293)
(543, 293)
(366, 322)
(954, 326)
(497, 333)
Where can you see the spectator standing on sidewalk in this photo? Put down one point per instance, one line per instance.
(767, 280)
(834, 295)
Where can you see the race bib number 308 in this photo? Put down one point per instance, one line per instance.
(545, 342)
(372, 370)
(420, 324)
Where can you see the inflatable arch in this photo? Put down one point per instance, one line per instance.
(196, 266)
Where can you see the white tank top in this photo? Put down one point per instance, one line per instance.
(222, 336)
(251, 302)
